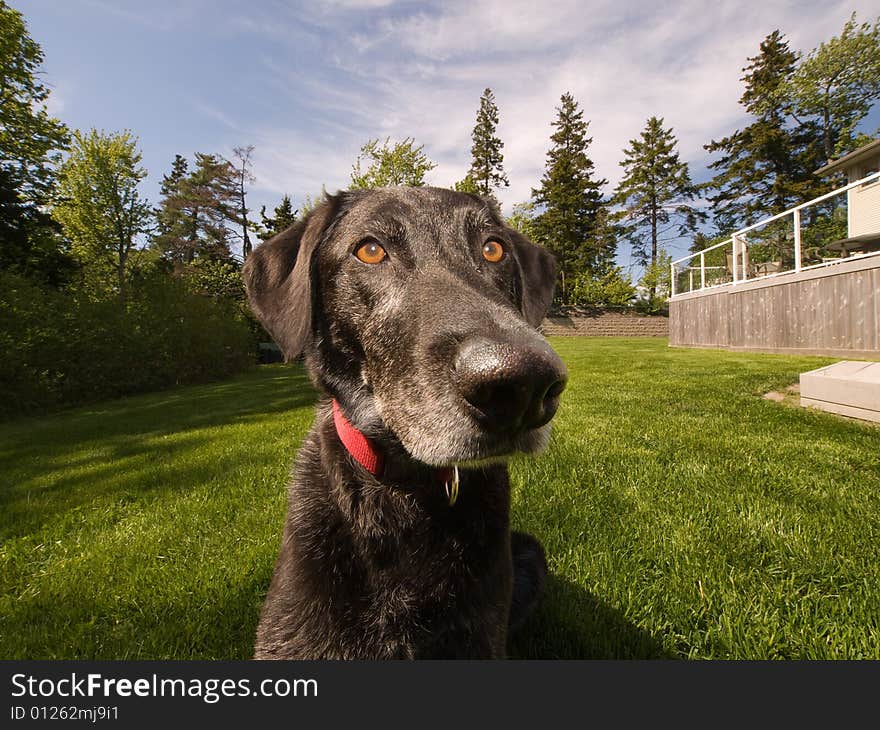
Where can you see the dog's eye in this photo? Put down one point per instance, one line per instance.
(370, 252)
(493, 251)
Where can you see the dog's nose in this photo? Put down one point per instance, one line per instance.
(511, 387)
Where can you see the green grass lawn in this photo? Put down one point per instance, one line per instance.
(683, 515)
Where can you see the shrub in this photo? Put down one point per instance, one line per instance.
(655, 286)
(62, 348)
(614, 290)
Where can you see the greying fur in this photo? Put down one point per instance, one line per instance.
(384, 567)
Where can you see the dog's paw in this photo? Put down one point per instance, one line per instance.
(529, 575)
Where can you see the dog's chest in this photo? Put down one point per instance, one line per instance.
(451, 604)
(439, 587)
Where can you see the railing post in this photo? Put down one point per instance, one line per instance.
(740, 245)
(735, 277)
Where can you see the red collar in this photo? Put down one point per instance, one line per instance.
(364, 450)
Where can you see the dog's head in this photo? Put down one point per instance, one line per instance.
(417, 309)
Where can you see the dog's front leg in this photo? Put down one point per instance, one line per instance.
(529, 574)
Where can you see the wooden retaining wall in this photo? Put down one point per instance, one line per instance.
(833, 310)
(607, 324)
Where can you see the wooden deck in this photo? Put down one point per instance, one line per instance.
(833, 310)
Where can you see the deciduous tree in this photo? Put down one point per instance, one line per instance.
(309, 203)
(523, 218)
(837, 84)
(30, 139)
(31, 243)
(401, 163)
(655, 284)
(98, 204)
(466, 185)
(243, 177)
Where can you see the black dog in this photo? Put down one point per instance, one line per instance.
(416, 310)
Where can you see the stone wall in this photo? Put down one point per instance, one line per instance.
(607, 324)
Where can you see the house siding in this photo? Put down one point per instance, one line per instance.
(864, 201)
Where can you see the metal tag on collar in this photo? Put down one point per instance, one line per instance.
(452, 487)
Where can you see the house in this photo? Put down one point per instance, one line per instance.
(816, 297)
(863, 202)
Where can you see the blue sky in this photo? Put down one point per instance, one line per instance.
(309, 83)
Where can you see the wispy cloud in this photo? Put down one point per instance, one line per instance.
(418, 71)
(57, 100)
(218, 115)
(151, 17)
(309, 83)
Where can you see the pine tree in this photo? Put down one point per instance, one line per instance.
(197, 211)
(169, 219)
(597, 257)
(171, 181)
(767, 166)
(656, 192)
(570, 197)
(214, 189)
(284, 218)
(487, 170)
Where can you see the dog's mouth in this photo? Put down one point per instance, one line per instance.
(470, 446)
(536, 446)
(454, 439)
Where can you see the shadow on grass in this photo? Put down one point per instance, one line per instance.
(268, 389)
(224, 630)
(572, 623)
(126, 448)
(67, 623)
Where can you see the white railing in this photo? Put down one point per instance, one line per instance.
(737, 268)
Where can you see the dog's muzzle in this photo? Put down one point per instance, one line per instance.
(510, 388)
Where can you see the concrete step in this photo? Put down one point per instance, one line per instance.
(848, 388)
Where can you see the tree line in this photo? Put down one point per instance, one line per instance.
(87, 310)
(802, 110)
(76, 232)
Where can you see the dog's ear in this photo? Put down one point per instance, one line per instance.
(538, 268)
(278, 281)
